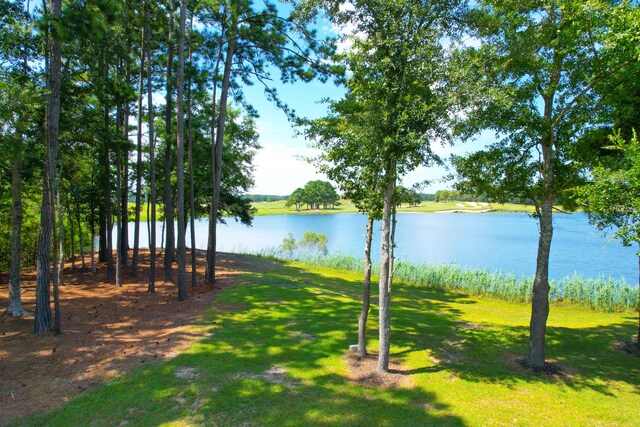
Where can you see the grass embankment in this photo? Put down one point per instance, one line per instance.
(273, 355)
(278, 208)
(601, 294)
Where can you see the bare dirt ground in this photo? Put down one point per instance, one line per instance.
(106, 331)
(363, 371)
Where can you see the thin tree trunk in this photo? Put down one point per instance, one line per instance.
(136, 232)
(81, 238)
(182, 255)
(209, 276)
(164, 226)
(638, 337)
(102, 234)
(392, 247)
(118, 262)
(60, 215)
(107, 200)
(168, 194)
(152, 162)
(149, 218)
(192, 203)
(124, 190)
(217, 175)
(94, 270)
(385, 264)
(366, 291)
(14, 307)
(72, 231)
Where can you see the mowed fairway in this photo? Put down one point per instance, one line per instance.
(345, 206)
(273, 353)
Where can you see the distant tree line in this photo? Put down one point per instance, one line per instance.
(315, 195)
(264, 198)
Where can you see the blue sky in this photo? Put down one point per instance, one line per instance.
(279, 168)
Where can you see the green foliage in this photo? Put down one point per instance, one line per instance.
(406, 196)
(537, 68)
(296, 199)
(289, 245)
(613, 197)
(312, 245)
(316, 194)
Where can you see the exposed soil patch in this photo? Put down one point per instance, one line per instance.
(187, 373)
(469, 326)
(550, 369)
(106, 331)
(363, 371)
(275, 375)
(631, 347)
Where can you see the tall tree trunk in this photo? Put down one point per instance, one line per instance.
(106, 188)
(124, 190)
(136, 232)
(14, 306)
(53, 61)
(385, 264)
(210, 261)
(60, 215)
(217, 173)
(182, 255)
(72, 231)
(80, 236)
(366, 291)
(102, 234)
(168, 194)
(540, 298)
(118, 262)
(92, 226)
(152, 162)
(192, 203)
(15, 301)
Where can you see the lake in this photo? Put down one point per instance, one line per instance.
(506, 242)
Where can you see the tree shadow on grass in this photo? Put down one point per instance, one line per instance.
(425, 319)
(273, 357)
(488, 353)
(274, 350)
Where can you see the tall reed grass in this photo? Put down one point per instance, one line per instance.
(600, 294)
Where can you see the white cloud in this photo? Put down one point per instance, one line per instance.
(279, 170)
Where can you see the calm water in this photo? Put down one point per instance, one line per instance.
(506, 242)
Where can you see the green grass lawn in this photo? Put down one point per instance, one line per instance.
(457, 352)
(278, 208)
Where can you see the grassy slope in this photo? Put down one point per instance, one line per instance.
(278, 208)
(457, 350)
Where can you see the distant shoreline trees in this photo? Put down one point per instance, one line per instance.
(316, 194)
